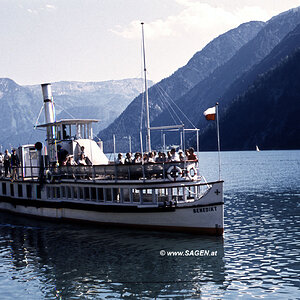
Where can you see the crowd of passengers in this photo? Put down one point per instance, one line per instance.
(11, 162)
(64, 159)
(160, 157)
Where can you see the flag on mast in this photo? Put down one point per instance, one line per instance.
(210, 113)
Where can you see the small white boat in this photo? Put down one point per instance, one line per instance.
(257, 149)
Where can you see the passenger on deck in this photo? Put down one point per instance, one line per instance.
(137, 158)
(192, 156)
(154, 155)
(169, 155)
(164, 157)
(82, 151)
(158, 156)
(174, 155)
(61, 155)
(6, 163)
(145, 157)
(15, 163)
(71, 161)
(81, 161)
(65, 135)
(161, 157)
(1, 163)
(120, 159)
(128, 159)
(186, 152)
(64, 163)
(151, 157)
(181, 156)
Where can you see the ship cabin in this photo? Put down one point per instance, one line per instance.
(71, 135)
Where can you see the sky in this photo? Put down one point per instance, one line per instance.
(99, 40)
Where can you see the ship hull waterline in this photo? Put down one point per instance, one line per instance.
(200, 217)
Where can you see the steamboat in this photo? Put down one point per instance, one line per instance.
(168, 195)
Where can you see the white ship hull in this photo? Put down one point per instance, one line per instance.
(202, 216)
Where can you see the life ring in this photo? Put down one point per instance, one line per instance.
(49, 176)
(173, 173)
(191, 172)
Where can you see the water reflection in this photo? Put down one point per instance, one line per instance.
(71, 261)
(259, 257)
(261, 244)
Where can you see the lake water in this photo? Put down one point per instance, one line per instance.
(259, 256)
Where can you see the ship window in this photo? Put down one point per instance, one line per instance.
(154, 196)
(3, 188)
(75, 192)
(199, 190)
(121, 196)
(126, 195)
(20, 190)
(69, 193)
(58, 192)
(162, 195)
(28, 191)
(135, 195)
(162, 192)
(116, 195)
(38, 192)
(80, 192)
(108, 194)
(147, 191)
(66, 129)
(100, 194)
(63, 192)
(33, 154)
(48, 192)
(191, 192)
(93, 194)
(174, 191)
(87, 193)
(177, 194)
(12, 192)
(52, 192)
(147, 195)
(58, 133)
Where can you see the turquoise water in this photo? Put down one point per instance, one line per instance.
(257, 258)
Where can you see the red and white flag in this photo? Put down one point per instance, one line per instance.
(210, 113)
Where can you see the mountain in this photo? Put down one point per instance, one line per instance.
(94, 100)
(289, 44)
(218, 85)
(19, 111)
(199, 67)
(266, 115)
(21, 105)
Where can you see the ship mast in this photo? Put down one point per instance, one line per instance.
(146, 94)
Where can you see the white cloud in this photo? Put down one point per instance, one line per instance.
(50, 7)
(32, 11)
(186, 3)
(250, 13)
(195, 17)
(176, 37)
(39, 8)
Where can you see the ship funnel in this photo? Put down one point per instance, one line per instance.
(48, 103)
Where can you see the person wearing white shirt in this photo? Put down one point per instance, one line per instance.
(174, 155)
(120, 159)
